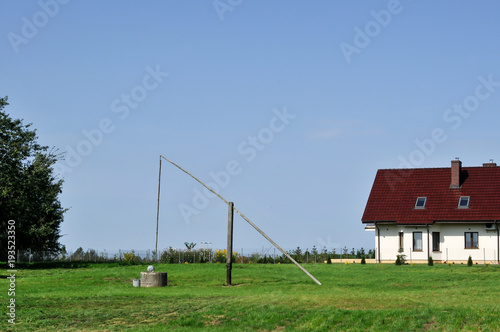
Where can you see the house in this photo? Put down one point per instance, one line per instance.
(448, 214)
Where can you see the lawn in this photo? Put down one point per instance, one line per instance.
(264, 297)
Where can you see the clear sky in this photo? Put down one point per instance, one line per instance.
(287, 107)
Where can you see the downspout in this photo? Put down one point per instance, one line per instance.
(428, 248)
(498, 242)
(378, 241)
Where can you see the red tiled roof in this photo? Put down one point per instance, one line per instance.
(395, 192)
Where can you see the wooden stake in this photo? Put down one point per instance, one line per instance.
(229, 251)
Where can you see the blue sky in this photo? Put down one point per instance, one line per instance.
(288, 107)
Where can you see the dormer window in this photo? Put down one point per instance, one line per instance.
(420, 203)
(463, 202)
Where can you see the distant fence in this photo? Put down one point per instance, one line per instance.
(268, 255)
(90, 255)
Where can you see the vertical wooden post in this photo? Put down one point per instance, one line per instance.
(158, 212)
(229, 251)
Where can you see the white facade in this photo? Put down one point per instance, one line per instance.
(450, 242)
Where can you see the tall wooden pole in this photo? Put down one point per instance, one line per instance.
(229, 251)
(158, 213)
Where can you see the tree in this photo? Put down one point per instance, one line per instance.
(358, 254)
(297, 253)
(189, 246)
(315, 253)
(371, 253)
(398, 260)
(78, 254)
(401, 258)
(345, 250)
(28, 188)
(324, 254)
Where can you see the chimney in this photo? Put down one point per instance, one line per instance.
(490, 164)
(456, 170)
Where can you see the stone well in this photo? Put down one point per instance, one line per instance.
(153, 279)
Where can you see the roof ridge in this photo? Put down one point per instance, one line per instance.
(424, 168)
(410, 169)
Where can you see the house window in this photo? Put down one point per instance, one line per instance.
(401, 240)
(420, 203)
(463, 202)
(471, 240)
(417, 241)
(436, 241)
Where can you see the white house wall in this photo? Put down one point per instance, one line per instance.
(452, 243)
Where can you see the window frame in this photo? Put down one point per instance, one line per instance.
(401, 236)
(420, 207)
(471, 240)
(414, 246)
(436, 241)
(460, 206)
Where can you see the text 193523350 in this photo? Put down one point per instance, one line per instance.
(11, 260)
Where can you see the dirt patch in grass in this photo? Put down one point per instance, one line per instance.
(214, 320)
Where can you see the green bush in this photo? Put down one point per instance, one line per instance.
(363, 261)
(430, 261)
(400, 259)
(130, 257)
(469, 262)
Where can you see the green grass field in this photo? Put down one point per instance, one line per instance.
(263, 298)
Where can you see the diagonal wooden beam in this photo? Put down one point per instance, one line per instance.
(246, 219)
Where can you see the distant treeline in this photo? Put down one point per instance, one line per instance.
(190, 255)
